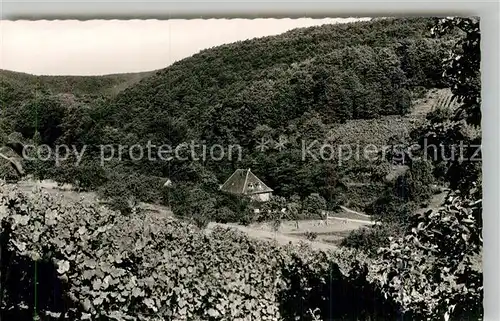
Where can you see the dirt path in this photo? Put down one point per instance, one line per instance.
(271, 236)
(342, 219)
(354, 212)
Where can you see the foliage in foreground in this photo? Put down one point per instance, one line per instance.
(145, 267)
(435, 269)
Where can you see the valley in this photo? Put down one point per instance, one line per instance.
(375, 230)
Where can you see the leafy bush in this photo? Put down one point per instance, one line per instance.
(145, 267)
(313, 206)
(191, 201)
(124, 184)
(390, 208)
(411, 190)
(370, 239)
(299, 84)
(434, 270)
(311, 236)
(7, 172)
(48, 123)
(415, 184)
(122, 204)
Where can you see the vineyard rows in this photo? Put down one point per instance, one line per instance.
(149, 267)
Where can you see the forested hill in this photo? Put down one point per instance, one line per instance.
(16, 86)
(299, 84)
(340, 71)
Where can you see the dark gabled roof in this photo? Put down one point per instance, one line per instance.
(244, 182)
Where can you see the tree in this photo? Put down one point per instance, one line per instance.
(274, 210)
(463, 66)
(415, 184)
(44, 114)
(294, 207)
(314, 205)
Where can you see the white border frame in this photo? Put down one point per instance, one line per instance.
(488, 11)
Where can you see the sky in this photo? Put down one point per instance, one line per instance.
(98, 47)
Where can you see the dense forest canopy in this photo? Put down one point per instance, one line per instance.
(345, 71)
(299, 84)
(15, 85)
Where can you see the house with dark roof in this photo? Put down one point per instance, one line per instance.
(244, 183)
